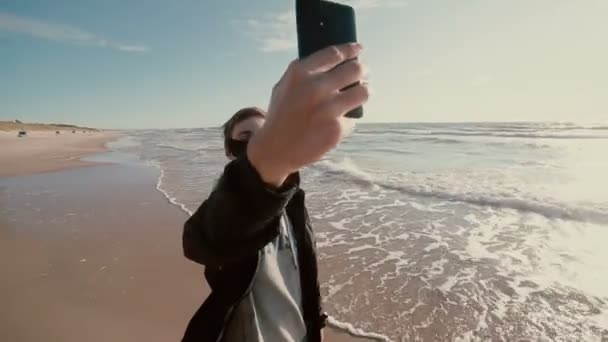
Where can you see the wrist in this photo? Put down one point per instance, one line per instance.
(267, 169)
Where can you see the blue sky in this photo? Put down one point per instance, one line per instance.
(161, 64)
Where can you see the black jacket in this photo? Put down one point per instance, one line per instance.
(226, 235)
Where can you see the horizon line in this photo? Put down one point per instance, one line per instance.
(395, 122)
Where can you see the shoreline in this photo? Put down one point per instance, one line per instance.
(76, 228)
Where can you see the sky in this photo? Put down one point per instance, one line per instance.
(187, 63)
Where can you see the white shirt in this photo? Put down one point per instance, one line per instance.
(272, 311)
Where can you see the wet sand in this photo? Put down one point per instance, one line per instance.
(93, 254)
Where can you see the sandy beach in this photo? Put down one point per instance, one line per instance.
(44, 151)
(90, 253)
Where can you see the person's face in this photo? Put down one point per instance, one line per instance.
(245, 129)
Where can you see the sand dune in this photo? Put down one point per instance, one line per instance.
(9, 126)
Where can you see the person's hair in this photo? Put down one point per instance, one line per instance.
(239, 116)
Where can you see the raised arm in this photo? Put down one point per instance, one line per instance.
(237, 218)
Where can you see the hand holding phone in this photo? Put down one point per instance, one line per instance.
(323, 23)
(305, 118)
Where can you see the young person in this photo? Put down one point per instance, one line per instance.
(253, 233)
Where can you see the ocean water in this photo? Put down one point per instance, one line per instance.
(442, 232)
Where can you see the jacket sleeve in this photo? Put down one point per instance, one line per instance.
(238, 219)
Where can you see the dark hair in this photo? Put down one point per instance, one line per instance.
(239, 116)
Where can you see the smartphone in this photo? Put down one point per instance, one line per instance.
(324, 23)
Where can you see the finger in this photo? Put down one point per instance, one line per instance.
(329, 57)
(347, 100)
(343, 75)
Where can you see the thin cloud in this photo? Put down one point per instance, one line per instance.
(276, 32)
(273, 32)
(428, 71)
(132, 48)
(481, 81)
(61, 33)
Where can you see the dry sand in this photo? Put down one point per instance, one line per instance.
(46, 151)
(90, 254)
(29, 126)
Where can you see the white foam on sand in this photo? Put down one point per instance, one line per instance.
(333, 289)
(463, 276)
(437, 267)
(339, 225)
(601, 319)
(360, 248)
(546, 251)
(434, 245)
(350, 329)
(538, 254)
(431, 208)
(159, 187)
(396, 256)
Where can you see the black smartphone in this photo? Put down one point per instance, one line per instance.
(321, 24)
